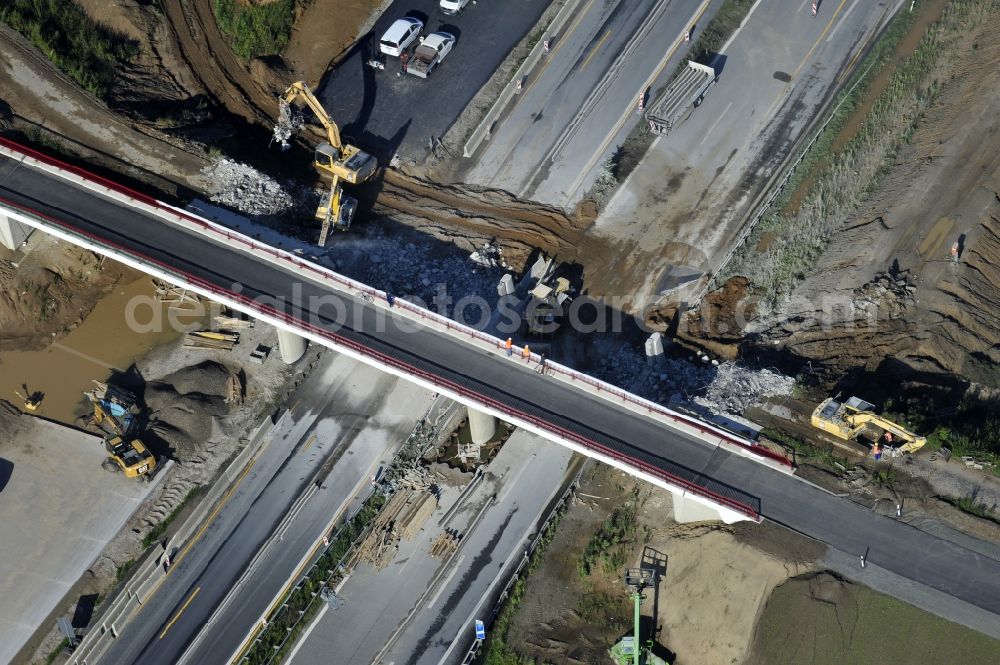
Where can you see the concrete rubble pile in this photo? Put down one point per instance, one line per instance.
(727, 387)
(736, 388)
(420, 271)
(891, 292)
(249, 191)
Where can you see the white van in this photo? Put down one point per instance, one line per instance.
(453, 6)
(400, 35)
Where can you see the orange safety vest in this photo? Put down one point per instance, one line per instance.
(509, 345)
(526, 353)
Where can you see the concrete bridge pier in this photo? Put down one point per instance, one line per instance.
(291, 346)
(482, 426)
(688, 510)
(12, 232)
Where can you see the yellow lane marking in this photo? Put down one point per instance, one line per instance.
(821, 36)
(594, 51)
(211, 517)
(180, 612)
(621, 121)
(292, 407)
(781, 97)
(311, 440)
(552, 52)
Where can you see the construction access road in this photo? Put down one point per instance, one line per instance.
(387, 113)
(344, 411)
(598, 424)
(420, 608)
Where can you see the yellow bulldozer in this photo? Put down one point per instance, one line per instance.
(115, 413)
(855, 420)
(333, 159)
(130, 457)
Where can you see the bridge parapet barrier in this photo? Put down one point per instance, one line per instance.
(376, 297)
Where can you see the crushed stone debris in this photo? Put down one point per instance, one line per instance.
(726, 388)
(244, 188)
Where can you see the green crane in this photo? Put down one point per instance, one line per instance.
(630, 650)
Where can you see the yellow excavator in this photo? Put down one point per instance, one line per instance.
(855, 420)
(333, 159)
(115, 412)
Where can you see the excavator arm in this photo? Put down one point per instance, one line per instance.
(300, 91)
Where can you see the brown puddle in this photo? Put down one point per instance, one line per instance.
(103, 342)
(929, 13)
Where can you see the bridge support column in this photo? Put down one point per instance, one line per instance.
(688, 510)
(482, 426)
(12, 232)
(291, 346)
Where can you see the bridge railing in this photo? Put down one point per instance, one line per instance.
(355, 288)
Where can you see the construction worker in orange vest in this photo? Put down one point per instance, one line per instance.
(509, 345)
(526, 353)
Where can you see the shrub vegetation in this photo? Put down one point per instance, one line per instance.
(87, 51)
(255, 30)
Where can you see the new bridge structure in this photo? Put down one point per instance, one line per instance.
(712, 473)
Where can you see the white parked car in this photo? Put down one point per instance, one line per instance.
(453, 6)
(432, 50)
(400, 35)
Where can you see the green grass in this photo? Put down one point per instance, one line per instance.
(51, 658)
(804, 450)
(972, 506)
(862, 627)
(159, 529)
(614, 541)
(87, 51)
(497, 649)
(123, 569)
(604, 609)
(255, 30)
(972, 428)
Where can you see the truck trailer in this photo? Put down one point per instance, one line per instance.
(683, 94)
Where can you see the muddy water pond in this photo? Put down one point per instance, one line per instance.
(124, 326)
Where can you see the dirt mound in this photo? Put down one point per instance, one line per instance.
(184, 405)
(51, 291)
(885, 293)
(470, 216)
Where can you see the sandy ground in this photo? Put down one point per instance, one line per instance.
(58, 510)
(815, 620)
(944, 187)
(46, 290)
(716, 579)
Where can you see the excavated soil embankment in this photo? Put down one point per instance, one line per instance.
(885, 289)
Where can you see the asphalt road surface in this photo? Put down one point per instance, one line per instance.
(775, 75)
(385, 113)
(515, 388)
(418, 608)
(588, 81)
(344, 409)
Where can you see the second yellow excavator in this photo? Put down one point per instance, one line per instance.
(333, 159)
(855, 420)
